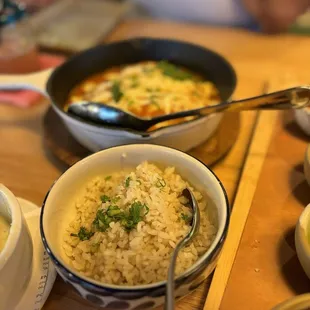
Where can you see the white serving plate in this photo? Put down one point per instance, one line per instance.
(43, 272)
(26, 273)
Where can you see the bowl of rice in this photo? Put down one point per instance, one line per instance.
(110, 224)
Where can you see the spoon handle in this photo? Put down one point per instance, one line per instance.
(292, 98)
(169, 302)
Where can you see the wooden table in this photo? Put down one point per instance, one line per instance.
(28, 169)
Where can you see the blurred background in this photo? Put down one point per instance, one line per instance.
(69, 26)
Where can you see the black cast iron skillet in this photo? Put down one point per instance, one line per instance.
(57, 84)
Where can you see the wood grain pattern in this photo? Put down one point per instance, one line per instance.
(266, 269)
(241, 207)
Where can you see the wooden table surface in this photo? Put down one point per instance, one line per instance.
(28, 169)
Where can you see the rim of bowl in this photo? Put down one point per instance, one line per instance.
(134, 41)
(208, 255)
(15, 226)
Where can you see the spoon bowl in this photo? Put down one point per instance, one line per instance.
(292, 98)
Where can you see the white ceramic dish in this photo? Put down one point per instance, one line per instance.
(26, 274)
(57, 211)
(302, 240)
(302, 117)
(307, 164)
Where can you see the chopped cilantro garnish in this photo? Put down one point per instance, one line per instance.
(105, 198)
(116, 91)
(134, 216)
(127, 182)
(83, 234)
(160, 183)
(173, 71)
(102, 221)
(115, 199)
(114, 214)
(186, 218)
(108, 177)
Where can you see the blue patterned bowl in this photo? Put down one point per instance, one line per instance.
(56, 214)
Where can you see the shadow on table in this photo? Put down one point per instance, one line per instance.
(292, 128)
(64, 296)
(291, 269)
(29, 119)
(59, 164)
(301, 191)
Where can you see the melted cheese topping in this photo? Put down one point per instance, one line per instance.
(148, 89)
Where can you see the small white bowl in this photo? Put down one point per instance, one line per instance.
(16, 256)
(302, 117)
(307, 164)
(302, 240)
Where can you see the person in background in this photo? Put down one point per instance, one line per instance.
(266, 15)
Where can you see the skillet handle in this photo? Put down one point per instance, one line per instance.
(32, 81)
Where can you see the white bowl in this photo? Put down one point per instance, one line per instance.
(303, 119)
(307, 164)
(16, 256)
(302, 240)
(183, 136)
(57, 211)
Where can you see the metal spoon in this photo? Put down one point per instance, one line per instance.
(169, 300)
(296, 98)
